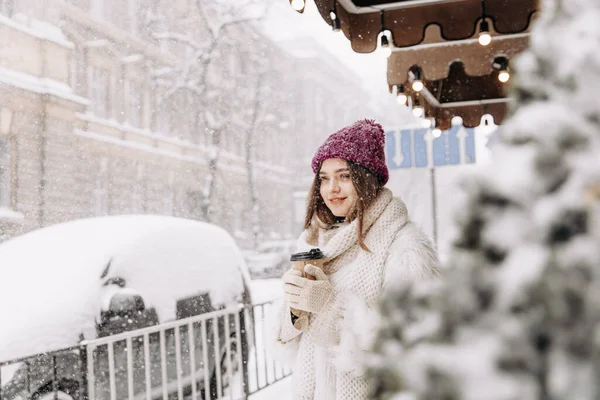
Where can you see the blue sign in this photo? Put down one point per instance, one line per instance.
(408, 148)
(420, 147)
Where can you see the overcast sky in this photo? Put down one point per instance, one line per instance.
(284, 24)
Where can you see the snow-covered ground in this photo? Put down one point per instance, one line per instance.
(264, 290)
(281, 390)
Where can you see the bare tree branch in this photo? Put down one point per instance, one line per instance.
(177, 37)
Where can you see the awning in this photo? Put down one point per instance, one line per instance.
(362, 20)
(440, 40)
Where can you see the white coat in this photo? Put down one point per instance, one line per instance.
(326, 355)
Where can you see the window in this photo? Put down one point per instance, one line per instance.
(190, 116)
(134, 103)
(5, 200)
(168, 201)
(138, 192)
(132, 11)
(101, 195)
(137, 199)
(164, 121)
(77, 71)
(98, 85)
(162, 116)
(269, 149)
(319, 106)
(7, 7)
(232, 61)
(98, 9)
(195, 203)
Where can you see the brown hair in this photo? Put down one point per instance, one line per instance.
(367, 186)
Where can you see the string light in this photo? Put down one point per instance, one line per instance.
(504, 76)
(436, 133)
(401, 96)
(384, 46)
(417, 83)
(335, 21)
(417, 110)
(484, 33)
(298, 5)
(501, 64)
(456, 120)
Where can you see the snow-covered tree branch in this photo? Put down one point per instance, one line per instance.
(518, 313)
(198, 48)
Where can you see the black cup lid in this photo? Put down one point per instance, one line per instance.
(313, 254)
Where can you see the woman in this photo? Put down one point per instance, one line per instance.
(368, 240)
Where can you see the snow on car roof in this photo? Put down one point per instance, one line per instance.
(50, 279)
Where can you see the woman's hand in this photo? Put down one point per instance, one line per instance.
(304, 294)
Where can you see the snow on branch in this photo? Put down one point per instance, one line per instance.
(177, 37)
(231, 13)
(160, 72)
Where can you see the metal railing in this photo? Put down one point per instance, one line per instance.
(221, 354)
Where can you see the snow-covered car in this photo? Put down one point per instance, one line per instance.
(97, 277)
(271, 259)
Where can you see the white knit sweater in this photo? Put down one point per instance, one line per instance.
(326, 355)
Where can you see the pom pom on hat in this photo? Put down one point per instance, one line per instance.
(362, 143)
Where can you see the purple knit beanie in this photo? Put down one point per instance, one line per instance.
(362, 143)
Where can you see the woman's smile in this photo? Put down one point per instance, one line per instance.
(337, 200)
(336, 187)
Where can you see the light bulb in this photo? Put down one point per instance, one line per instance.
(484, 33)
(332, 15)
(426, 123)
(335, 25)
(402, 99)
(418, 111)
(298, 5)
(504, 76)
(384, 46)
(418, 85)
(501, 64)
(485, 38)
(436, 133)
(456, 120)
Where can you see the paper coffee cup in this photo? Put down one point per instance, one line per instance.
(314, 257)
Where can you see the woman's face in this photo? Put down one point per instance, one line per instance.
(336, 188)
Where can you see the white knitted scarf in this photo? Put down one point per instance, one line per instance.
(357, 278)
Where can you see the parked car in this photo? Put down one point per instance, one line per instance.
(98, 277)
(271, 259)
